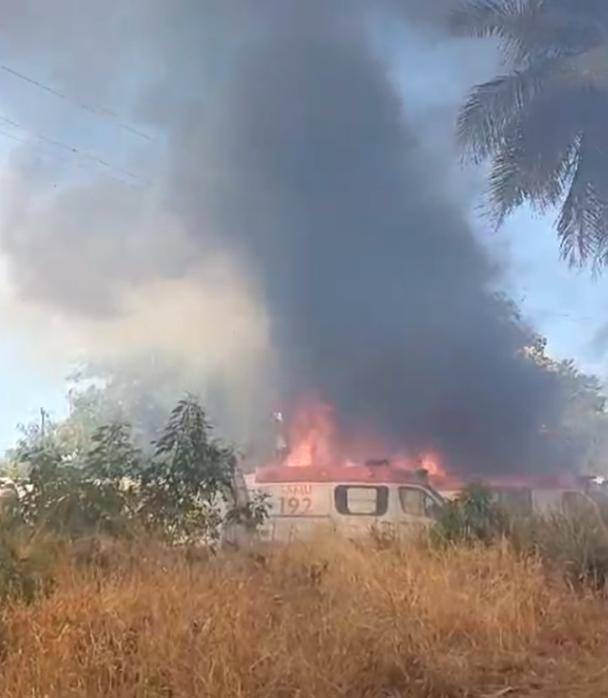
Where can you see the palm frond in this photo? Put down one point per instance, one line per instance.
(513, 22)
(491, 106)
(543, 124)
(547, 183)
(506, 189)
(531, 30)
(548, 145)
(535, 163)
(583, 222)
(511, 183)
(555, 152)
(492, 18)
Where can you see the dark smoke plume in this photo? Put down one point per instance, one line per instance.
(289, 147)
(379, 294)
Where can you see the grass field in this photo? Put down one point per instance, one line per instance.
(323, 620)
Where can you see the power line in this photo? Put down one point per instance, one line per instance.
(6, 134)
(17, 139)
(73, 150)
(26, 141)
(97, 110)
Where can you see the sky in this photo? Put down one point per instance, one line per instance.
(568, 306)
(565, 305)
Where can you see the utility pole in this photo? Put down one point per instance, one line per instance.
(281, 445)
(42, 424)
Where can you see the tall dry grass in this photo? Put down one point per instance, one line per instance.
(326, 619)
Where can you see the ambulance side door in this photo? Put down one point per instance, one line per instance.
(418, 509)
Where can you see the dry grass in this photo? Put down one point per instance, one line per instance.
(329, 619)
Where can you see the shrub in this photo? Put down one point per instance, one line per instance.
(472, 517)
(185, 492)
(68, 500)
(251, 514)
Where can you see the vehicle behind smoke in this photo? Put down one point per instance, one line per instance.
(543, 501)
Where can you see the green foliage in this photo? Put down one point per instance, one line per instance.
(184, 491)
(473, 517)
(112, 455)
(66, 499)
(252, 513)
(188, 460)
(190, 477)
(542, 124)
(583, 427)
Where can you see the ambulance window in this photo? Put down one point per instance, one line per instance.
(357, 500)
(417, 502)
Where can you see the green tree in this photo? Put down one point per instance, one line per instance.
(542, 123)
(186, 490)
(65, 498)
(189, 482)
(584, 423)
(112, 457)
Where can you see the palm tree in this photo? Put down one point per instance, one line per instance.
(544, 124)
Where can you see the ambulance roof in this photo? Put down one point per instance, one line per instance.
(381, 474)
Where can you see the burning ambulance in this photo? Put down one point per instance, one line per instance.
(350, 500)
(316, 482)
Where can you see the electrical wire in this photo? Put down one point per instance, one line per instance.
(78, 152)
(98, 111)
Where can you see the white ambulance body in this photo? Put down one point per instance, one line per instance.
(544, 500)
(534, 500)
(348, 500)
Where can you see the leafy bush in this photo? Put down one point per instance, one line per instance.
(68, 499)
(251, 514)
(185, 492)
(472, 517)
(112, 456)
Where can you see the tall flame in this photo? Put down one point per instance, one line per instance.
(314, 440)
(312, 437)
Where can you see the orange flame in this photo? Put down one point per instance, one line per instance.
(314, 441)
(431, 462)
(312, 437)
